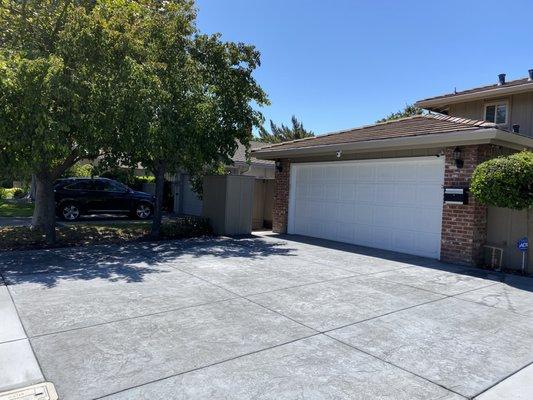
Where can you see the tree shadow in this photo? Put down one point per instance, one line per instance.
(130, 262)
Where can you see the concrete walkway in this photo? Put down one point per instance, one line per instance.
(18, 366)
(264, 318)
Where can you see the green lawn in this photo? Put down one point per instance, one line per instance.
(13, 209)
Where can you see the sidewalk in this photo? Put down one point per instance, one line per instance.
(18, 366)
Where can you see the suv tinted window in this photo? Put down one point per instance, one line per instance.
(81, 185)
(112, 186)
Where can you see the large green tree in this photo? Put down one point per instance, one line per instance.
(186, 98)
(409, 110)
(284, 133)
(132, 81)
(57, 64)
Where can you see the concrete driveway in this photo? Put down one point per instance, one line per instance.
(263, 318)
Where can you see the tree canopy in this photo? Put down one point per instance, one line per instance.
(186, 98)
(284, 133)
(127, 81)
(57, 64)
(410, 110)
(505, 181)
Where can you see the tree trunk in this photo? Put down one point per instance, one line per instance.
(44, 215)
(159, 172)
(31, 192)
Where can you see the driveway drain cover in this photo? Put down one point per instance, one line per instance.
(42, 391)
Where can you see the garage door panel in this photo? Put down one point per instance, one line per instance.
(385, 194)
(346, 232)
(385, 172)
(346, 213)
(429, 194)
(363, 235)
(389, 204)
(427, 220)
(347, 173)
(364, 214)
(431, 172)
(382, 238)
(330, 213)
(316, 191)
(317, 173)
(404, 240)
(331, 191)
(314, 209)
(405, 173)
(428, 244)
(406, 218)
(347, 192)
(332, 173)
(364, 173)
(406, 194)
(365, 193)
(384, 216)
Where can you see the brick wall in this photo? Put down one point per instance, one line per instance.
(464, 227)
(280, 210)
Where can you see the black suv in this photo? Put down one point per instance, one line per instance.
(77, 196)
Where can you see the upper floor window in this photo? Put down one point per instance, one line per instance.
(496, 112)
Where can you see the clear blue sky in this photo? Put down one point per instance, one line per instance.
(338, 64)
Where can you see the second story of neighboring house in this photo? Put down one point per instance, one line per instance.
(508, 104)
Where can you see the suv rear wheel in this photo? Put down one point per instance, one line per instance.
(143, 211)
(69, 212)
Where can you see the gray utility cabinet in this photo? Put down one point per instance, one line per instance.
(228, 203)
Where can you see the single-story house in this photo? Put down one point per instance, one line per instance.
(187, 202)
(383, 185)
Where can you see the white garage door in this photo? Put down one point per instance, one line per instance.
(392, 204)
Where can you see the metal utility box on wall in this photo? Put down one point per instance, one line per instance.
(228, 203)
(453, 195)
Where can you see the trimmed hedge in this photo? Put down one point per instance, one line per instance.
(505, 181)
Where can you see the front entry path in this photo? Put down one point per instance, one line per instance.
(266, 317)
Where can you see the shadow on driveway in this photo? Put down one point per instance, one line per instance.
(128, 262)
(513, 280)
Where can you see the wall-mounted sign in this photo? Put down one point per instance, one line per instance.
(455, 195)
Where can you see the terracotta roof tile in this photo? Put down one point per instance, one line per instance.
(412, 126)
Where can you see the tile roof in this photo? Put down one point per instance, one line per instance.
(480, 89)
(419, 125)
(240, 153)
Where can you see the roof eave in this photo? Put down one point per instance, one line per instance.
(262, 164)
(458, 138)
(483, 94)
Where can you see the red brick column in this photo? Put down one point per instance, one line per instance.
(464, 227)
(280, 210)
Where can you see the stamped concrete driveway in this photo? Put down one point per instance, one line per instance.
(267, 318)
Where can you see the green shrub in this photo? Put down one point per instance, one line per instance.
(505, 181)
(138, 181)
(185, 227)
(11, 193)
(79, 171)
(122, 175)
